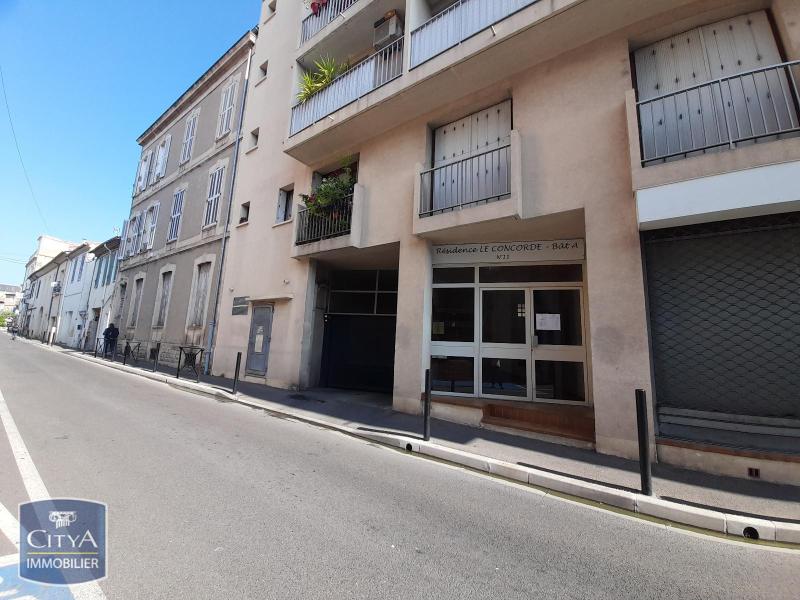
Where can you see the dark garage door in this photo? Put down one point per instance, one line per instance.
(724, 301)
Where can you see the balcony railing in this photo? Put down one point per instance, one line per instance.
(458, 22)
(368, 75)
(745, 107)
(313, 24)
(475, 180)
(337, 221)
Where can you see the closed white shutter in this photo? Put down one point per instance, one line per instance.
(175, 217)
(188, 137)
(151, 234)
(751, 105)
(163, 157)
(225, 109)
(144, 171)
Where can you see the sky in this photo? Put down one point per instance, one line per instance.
(83, 79)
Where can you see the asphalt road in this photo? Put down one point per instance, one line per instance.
(216, 500)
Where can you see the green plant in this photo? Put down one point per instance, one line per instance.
(326, 69)
(331, 190)
(4, 315)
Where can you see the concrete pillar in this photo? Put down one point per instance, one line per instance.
(412, 343)
(616, 316)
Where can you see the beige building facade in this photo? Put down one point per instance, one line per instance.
(171, 247)
(549, 204)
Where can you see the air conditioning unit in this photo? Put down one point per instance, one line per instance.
(387, 30)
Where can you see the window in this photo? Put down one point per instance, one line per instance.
(98, 275)
(149, 227)
(254, 139)
(188, 137)
(214, 195)
(272, 6)
(111, 270)
(144, 171)
(135, 302)
(285, 202)
(73, 270)
(453, 315)
(162, 156)
(244, 215)
(128, 248)
(226, 109)
(197, 315)
(175, 217)
(166, 290)
(264, 68)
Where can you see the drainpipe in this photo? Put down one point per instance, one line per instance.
(212, 329)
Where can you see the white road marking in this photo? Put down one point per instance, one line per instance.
(30, 476)
(9, 527)
(36, 491)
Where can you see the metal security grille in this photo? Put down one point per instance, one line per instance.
(725, 316)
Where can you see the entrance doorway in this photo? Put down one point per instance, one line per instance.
(360, 323)
(493, 337)
(531, 345)
(258, 342)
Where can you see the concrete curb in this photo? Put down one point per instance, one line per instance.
(543, 482)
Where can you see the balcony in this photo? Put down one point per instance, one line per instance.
(725, 113)
(313, 24)
(457, 23)
(340, 228)
(483, 187)
(368, 75)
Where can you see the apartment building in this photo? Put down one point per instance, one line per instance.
(10, 297)
(74, 294)
(549, 204)
(44, 304)
(101, 300)
(171, 248)
(47, 248)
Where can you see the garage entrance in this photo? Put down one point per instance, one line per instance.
(360, 321)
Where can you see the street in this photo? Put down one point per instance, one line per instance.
(210, 500)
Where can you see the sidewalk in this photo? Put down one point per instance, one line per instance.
(372, 413)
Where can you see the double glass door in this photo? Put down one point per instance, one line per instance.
(532, 344)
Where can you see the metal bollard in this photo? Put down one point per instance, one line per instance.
(645, 468)
(236, 372)
(426, 408)
(158, 352)
(178, 372)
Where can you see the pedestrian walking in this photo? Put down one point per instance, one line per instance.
(110, 335)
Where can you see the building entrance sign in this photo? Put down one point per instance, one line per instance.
(510, 252)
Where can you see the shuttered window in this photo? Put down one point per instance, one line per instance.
(226, 109)
(166, 290)
(175, 217)
(162, 157)
(214, 195)
(136, 302)
(197, 315)
(188, 137)
(144, 171)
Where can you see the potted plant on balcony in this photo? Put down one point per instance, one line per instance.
(326, 69)
(325, 201)
(315, 5)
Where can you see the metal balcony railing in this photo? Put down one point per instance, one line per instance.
(458, 22)
(337, 221)
(745, 107)
(364, 77)
(479, 179)
(313, 24)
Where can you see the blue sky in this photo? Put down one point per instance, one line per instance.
(84, 78)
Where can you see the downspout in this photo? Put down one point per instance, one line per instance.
(212, 337)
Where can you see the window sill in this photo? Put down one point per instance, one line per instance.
(249, 150)
(286, 222)
(243, 223)
(209, 227)
(262, 80)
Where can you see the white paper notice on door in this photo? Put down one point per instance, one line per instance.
(548, 322)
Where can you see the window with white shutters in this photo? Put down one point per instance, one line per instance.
(81, 263)
(214, 195)
(188, 137)
(144, 171)
(152, 223)
(175, 217)
(130, 236)
(166, 290)
(112, 268)
(135, 302)
(197, 315)
(162, 157)
(226, 109)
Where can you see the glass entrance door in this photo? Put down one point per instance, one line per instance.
(532, 344)
(505, 343)
(557, 345)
